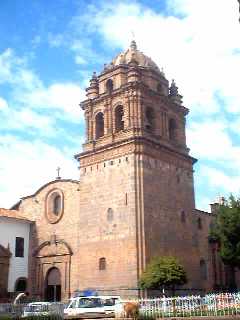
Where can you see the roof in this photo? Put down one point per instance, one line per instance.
(134, 54)
(16, 205)
(14, 214)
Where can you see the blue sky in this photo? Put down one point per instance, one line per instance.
(49, 49)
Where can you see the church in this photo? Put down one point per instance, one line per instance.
(134, 199)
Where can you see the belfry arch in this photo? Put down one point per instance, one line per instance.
(99, 125)
(119, 121)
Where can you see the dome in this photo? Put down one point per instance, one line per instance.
(134, 54)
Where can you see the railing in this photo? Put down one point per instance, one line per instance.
(189, 306)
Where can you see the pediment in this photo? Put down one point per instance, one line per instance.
(53, 248)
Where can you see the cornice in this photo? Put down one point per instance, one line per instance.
(136, 140)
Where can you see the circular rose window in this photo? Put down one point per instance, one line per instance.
(54, 205)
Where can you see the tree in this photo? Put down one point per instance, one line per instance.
(226, 232)
(162, 272)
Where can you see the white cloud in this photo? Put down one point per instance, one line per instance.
(35, 165)
(8, 62)
(210, 140)
(220, 181)
(80, 60)
(29, 91)
(3, 104)
(26, 120)
(65, 97)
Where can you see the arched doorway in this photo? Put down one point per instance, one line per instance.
(53, 285)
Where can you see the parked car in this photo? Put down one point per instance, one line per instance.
(85, 306)
(39, 309)
(92, 306)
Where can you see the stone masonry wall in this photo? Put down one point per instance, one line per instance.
(169, 207)
(107, 226)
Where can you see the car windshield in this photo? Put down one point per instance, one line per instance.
(89, 303)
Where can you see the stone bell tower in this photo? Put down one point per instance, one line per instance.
(136, 175)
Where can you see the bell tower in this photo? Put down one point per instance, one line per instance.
(136, 175)
(132, 98)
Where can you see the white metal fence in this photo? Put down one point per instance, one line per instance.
(210, 305)
(223, 304)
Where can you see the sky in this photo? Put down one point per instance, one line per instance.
(49, 50)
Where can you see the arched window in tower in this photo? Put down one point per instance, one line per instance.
(119, 123)
(99, 125)
(149, 119)
(109, 86)
(203, 269)
(57, 202)
(102, 264)
(172, 126)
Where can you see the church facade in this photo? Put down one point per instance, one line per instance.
(135, 196)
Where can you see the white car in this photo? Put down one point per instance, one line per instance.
(38, 309)
(92, 306)
(85, 306)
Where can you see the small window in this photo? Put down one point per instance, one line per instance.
(19, 248)
(203, 269)
(199, 223)
(102, 264)
(183, 216)
(109, 86)
(110, 214)
(57, 204)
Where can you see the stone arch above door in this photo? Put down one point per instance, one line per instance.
(53, 247)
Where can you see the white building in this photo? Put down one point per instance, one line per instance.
(14, 250)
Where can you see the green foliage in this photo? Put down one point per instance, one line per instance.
(163, 271)
(226, 231)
